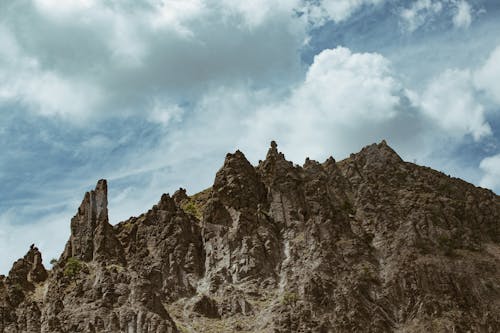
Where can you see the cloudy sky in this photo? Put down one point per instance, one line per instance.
(151, 94)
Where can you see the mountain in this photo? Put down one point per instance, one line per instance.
(368, 244)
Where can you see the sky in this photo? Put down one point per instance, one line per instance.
(151, 95)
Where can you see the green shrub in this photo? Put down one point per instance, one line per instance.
(191, 208)
(53, 261)
(127, 225)
(289, 298)
(73, 267)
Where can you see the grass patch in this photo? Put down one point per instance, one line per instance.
(73, 267)
(191, 208)
(289, 298)
(127, 225)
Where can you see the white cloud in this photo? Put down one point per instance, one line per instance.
(322, 11)
(257, 12)
(491, 169)
(422, 12)
(165, 113)
(88, 59)
(451, 102)
(352, 86)
(346, 100)
(463, 15)
(23, 79)
(487, 77)
(419, 12)
(51, 94)
(340, 10)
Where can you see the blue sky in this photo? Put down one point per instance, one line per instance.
(151, 94)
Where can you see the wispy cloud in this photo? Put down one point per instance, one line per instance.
(463, 15)
(421, 13)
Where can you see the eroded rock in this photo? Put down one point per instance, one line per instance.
(367, 244)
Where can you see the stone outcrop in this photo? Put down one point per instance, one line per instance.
(92, 237)
(165, 246)
(17, 310)
(28, 270)
(368, 244)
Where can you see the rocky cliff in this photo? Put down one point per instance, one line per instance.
(367, 244)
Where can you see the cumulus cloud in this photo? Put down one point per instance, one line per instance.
(491, 169)
(345, 100)
(90, 59)
(24, 79)
(336, 74)
(486, 77)
(451, 102)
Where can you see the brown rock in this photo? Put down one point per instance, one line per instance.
(28, 270)
(367, 244)
(92, 237)
(205, 306)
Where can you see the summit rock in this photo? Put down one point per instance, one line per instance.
(92, 237)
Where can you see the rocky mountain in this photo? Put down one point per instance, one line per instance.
(368, 244)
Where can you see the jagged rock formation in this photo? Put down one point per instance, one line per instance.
(92, 237)
(367, 244)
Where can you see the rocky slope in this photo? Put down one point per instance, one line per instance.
(367, 244)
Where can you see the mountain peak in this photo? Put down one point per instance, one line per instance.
(368, 244)
(273, 153)
(377, 155)
(237, 181)
(92, 236)
(29, 269)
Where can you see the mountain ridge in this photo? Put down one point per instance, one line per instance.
(370, 244)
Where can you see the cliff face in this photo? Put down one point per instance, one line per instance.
(368, 244)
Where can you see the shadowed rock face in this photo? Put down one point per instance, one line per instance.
(367, 244)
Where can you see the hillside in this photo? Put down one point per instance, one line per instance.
(368, 244)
